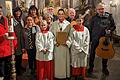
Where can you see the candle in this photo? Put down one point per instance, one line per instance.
(9, 15)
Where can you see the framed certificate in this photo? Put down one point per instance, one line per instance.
(61, 37)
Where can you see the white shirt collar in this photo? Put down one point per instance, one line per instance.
(63, 24)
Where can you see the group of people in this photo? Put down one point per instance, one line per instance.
(47, 58)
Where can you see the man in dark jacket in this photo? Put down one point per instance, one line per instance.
(102, 23)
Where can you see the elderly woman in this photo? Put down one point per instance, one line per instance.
(71, 14)
(49, 18)
(50, 10)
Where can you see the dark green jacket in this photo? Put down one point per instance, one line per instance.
(18, 28)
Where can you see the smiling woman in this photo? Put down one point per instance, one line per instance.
(33, 12)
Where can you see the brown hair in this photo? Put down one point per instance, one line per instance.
(33, 7)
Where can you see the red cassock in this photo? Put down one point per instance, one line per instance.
(44, 67)
(78, 71)
(45, 70)
(5, 49)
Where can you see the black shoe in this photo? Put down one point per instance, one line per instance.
(105, 71)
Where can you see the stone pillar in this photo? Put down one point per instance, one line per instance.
(36, 3)
(68, 3)
(41, 4)
(29, 3)
(76, 4)
(64, 3)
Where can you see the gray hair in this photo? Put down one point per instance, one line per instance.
(48, 15)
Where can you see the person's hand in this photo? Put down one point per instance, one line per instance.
(23, 51)
(108, 31)
(44, 51)
(65, 45)
(57, 44)
(6, 35)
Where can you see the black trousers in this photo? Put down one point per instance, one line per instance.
(18, 59)
(92, 55)
(7, 67)
(32, 59)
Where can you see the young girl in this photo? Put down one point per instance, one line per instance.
(44, 54)
(29, 34)
(79, 42)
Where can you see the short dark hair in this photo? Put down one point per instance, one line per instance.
(33, 7)
(61, 10)
(15, 10)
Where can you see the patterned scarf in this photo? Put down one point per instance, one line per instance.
(30, 42)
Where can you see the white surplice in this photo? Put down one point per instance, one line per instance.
(79, 47)
(44, 41)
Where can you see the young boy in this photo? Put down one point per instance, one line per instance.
(44, 54)
(79, 42)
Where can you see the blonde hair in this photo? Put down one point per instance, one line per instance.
(44, 22)
(101, 4)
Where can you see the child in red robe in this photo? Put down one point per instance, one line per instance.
(44, 54)
(79, 47)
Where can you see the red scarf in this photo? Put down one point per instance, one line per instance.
(44, 31)
(78, 27)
